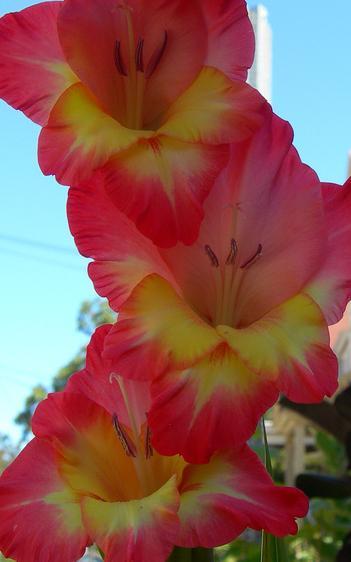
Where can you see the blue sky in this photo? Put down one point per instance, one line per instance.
(42, 290)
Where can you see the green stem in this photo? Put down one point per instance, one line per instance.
(272, 549)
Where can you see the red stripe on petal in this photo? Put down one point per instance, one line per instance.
(216, 404)
(102, 232)
(221, 499)
(161, 184)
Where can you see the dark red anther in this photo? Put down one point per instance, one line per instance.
(253, 259)
(156, 57)
(148, 447)
(139, 55)
(127, 443)
(233, 252)
(119, 59)
(213, 258)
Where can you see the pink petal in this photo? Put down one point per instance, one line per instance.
(221, 499)
(124, 256)
(82, 26)
(331, 284)
(231, 41)
(33, 69)
(40, 518)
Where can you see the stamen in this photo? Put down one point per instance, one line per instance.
(212, 256)
(119, 60)
(148, 447)
(233, 252)
(254, 258)
(127, 443)
(139, 55)
(156, 57)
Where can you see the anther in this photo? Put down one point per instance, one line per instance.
(233, 252)
(156, 57)
(119, 59)
(253, 259)
(139, 55)
(127, 443)
(148, 447)
(212, 256)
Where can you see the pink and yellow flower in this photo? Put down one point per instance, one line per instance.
(150, 91)
(224, 325)
(91, 476)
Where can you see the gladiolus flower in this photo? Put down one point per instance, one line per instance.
(91, 475)
(223, 326)
(150, 91)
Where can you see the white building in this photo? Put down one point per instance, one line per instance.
(260, 75)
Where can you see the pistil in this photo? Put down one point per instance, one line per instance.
(228, 278)
(135, 74)
(139, 454)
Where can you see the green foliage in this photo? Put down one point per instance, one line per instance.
(245, 549)
(8, 451)
(24, 418)
(76, 364)
(272, 548)
(191, 555)
(321, 533)
(319, 539)
(333, 453)
(93, 314)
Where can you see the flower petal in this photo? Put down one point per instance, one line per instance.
(216, 404)
(40, 517)
(96, 383)
(215, 110)
(80, 137)
(124, 256)
(289, 345)
(265, 198)
(161, 183)
(33, 70)
(103, 22)
(331, 285)
(156, 329)
(231, 41)
(90, 456)
(221, 499)
(142, 530)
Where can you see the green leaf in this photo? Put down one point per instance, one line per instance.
(272, 549)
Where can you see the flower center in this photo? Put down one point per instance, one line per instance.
(136, 442)
(228, 278)
(137, 71)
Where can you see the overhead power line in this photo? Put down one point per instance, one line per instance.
(40, 259)
(37, 244)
